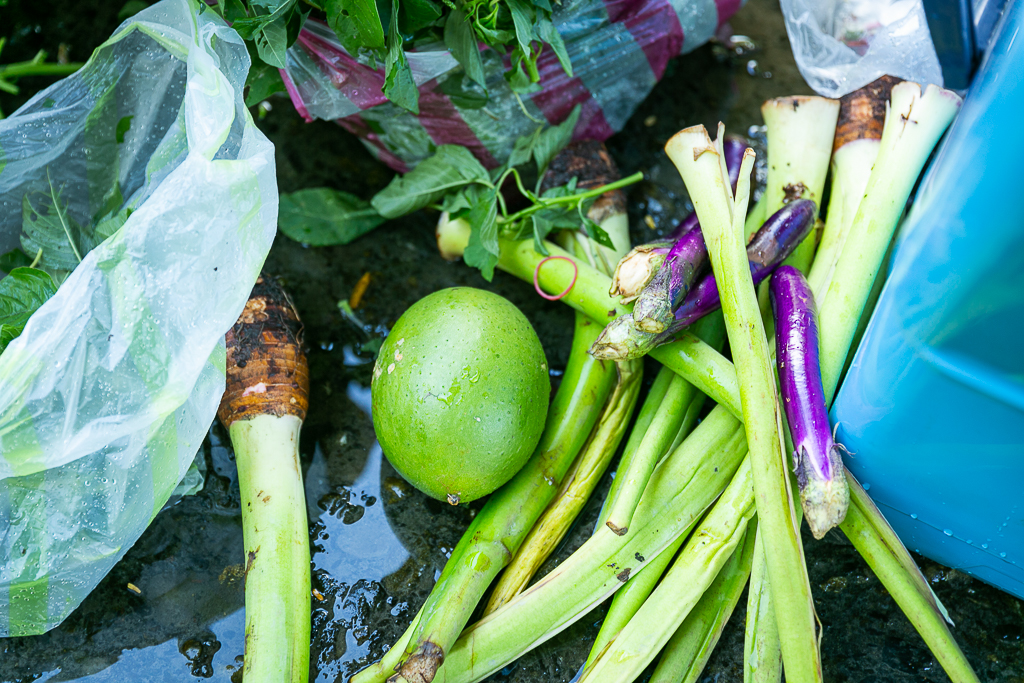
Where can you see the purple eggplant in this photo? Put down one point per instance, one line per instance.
(682, 265)
(824, 494)
(769, 247)
(635, 269)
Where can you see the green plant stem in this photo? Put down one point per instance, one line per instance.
(500, 527)
(688, 650)
(913, 126)
(575, 491)
(697, 161)
(800, 134)
(276, 536)
(636, 467)
(762, 651)
(547, 202)
(682, 488)
(700, 561)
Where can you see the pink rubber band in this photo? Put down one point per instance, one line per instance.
(536, 275)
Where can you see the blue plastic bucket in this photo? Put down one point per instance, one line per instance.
(933, 405)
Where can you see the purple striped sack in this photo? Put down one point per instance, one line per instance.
(618, 48)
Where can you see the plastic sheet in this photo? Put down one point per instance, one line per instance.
(107, 395)
(619, 50)
(842, 45)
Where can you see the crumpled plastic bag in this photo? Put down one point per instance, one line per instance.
(619, 50)
(108, 393)
(842, 45)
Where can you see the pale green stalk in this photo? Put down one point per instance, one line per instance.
(756, 218)
(681, 490)
(636, 467)
(695, 157)
(575, 491)
(762, 651)
(913, 125)
(709, 548)
(851, 168)
(688, 650)
(800, 134)
(276, 536)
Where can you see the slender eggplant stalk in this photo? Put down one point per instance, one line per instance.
(579, 483)
(818, 463)
(800, 134)
(777, 238)
(857, 141)
(635, 471)
(693, 153)
(264, 404)
(913, 124)
(688, 650)
(710, 547)
(681, 490)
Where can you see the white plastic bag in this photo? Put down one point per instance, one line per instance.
(842, 45)
(108, 393)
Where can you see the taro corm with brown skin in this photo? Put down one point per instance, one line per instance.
(264, 404)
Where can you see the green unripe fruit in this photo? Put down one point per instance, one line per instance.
(460, 393)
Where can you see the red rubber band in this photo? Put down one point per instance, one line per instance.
(536, 274)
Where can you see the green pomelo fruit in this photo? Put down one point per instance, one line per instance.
(460, 393)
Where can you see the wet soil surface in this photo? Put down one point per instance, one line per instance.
(378, 545)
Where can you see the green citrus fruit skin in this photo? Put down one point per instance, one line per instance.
(460, 393)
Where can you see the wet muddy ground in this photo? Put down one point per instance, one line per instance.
(378, 544)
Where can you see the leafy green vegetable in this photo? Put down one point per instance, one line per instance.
(482, 250)
(399, 86)
(460, 39)
(15, 258)
(22, 292)
(451, 168)
(356, 23)
(46, 225)
(325, 217)
(262, 82)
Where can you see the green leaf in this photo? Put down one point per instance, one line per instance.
(262, 82)
(549, 35)
(356, 22)
(460, 39)
(417, 15)
(541, 228)
(399, 86)
(294, 20)
(15, 258)
(522, 19)
(123, 126)
(272, 42)
(452, 167)
(523, 149)
(482, 250)
(597, 233)
(494, 37)
(552, 140)
(519, 80)
(22, 292)
(543, 4)
(324, 217)
(46, 225)
(462, 92)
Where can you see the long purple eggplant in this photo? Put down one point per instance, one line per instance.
(639, 266)
(770, 246)
(684, 262)
(818, 464)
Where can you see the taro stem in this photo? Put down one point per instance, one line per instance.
(579, 483)
(800, 134)
(695, 156)
(687, 652)
(264, 404)
(913, 124)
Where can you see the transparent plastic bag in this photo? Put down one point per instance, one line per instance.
(619, 51)
(842, 45)
(107, 394)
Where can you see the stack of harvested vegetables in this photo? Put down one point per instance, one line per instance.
(698, 507)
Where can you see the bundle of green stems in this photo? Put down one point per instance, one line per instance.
(698, 507)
